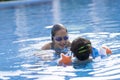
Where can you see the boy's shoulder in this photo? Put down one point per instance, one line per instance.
(102, 51)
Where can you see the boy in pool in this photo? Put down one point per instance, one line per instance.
(84, 52)
(60, 40)
(81, 49)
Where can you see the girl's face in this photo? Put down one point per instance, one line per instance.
(61, 38)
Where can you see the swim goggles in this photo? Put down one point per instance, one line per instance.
(61, 38)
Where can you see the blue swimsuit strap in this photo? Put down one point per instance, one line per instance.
(58, 50)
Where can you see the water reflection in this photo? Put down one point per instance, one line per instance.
(21, 23)
(56, 11)
(96, 10)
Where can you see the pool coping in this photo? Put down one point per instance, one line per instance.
(12, 4)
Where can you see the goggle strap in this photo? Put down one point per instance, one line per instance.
(84, 46)
(82, 51)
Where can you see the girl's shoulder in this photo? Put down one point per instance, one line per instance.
(46, 46)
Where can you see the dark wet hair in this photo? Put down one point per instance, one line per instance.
(81, 48)
(56, 28)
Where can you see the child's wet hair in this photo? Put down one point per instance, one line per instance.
(81, 48)
(56, 28)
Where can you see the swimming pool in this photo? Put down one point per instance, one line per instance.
(25, 27)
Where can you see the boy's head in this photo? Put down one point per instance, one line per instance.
(81, 48)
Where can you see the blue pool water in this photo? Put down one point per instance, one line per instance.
(25, 26)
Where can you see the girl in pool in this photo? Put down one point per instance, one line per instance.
(60, 40)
